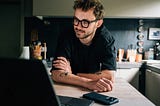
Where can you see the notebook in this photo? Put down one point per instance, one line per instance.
(27, 83)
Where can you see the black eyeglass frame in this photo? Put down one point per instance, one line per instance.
(81, 21)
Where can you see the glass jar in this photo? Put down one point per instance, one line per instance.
(151, 54)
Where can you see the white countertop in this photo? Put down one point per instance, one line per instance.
(127, 94)
(128, 65)
(152, 61)
(153, 65)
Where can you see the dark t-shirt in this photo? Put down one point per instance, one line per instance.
(101, 54)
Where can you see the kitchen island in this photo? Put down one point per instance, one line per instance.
(127, 94)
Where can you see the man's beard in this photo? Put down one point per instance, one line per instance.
(84, 35)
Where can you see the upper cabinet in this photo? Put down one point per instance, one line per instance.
(53, 7)
(114, 8)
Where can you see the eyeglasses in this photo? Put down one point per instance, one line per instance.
(84, 23)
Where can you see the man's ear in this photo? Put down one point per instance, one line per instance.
(99, 23)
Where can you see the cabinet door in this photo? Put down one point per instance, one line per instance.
(152, 86)
(53, 8)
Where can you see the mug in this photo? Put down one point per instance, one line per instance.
(25, 53)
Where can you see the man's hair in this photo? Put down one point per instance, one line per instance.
(85, 5)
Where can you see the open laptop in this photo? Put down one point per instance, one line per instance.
(27, 83)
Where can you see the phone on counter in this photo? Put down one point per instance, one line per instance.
(100, 98)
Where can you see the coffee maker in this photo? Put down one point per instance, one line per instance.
(157, 51)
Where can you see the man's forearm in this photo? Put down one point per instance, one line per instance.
(63, 77)
(98, 75)
(100, 85)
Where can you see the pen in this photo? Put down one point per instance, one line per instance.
(100, 69)
(100, 66)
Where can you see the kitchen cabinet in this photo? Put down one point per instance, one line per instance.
(53, 8)
(114, 9)
(152, 86)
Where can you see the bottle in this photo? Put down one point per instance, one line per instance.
(151, 54)
(156, 50)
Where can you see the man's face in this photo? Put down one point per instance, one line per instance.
(85, 23)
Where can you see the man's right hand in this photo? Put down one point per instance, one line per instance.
(101, 85)
(63, 64)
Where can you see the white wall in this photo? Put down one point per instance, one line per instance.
(114, 8)
(132, 8)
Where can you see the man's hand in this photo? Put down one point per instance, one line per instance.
(101, 85)
(63, 64)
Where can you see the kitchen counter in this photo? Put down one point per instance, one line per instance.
(153, 65)
(126, 93)
(126, 65)
(129, 71)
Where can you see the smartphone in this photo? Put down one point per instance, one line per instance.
(100, 98)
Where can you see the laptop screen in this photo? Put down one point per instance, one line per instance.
(26, 83)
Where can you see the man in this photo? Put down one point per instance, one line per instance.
(87, 59)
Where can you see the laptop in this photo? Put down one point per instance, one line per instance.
(27, 83)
